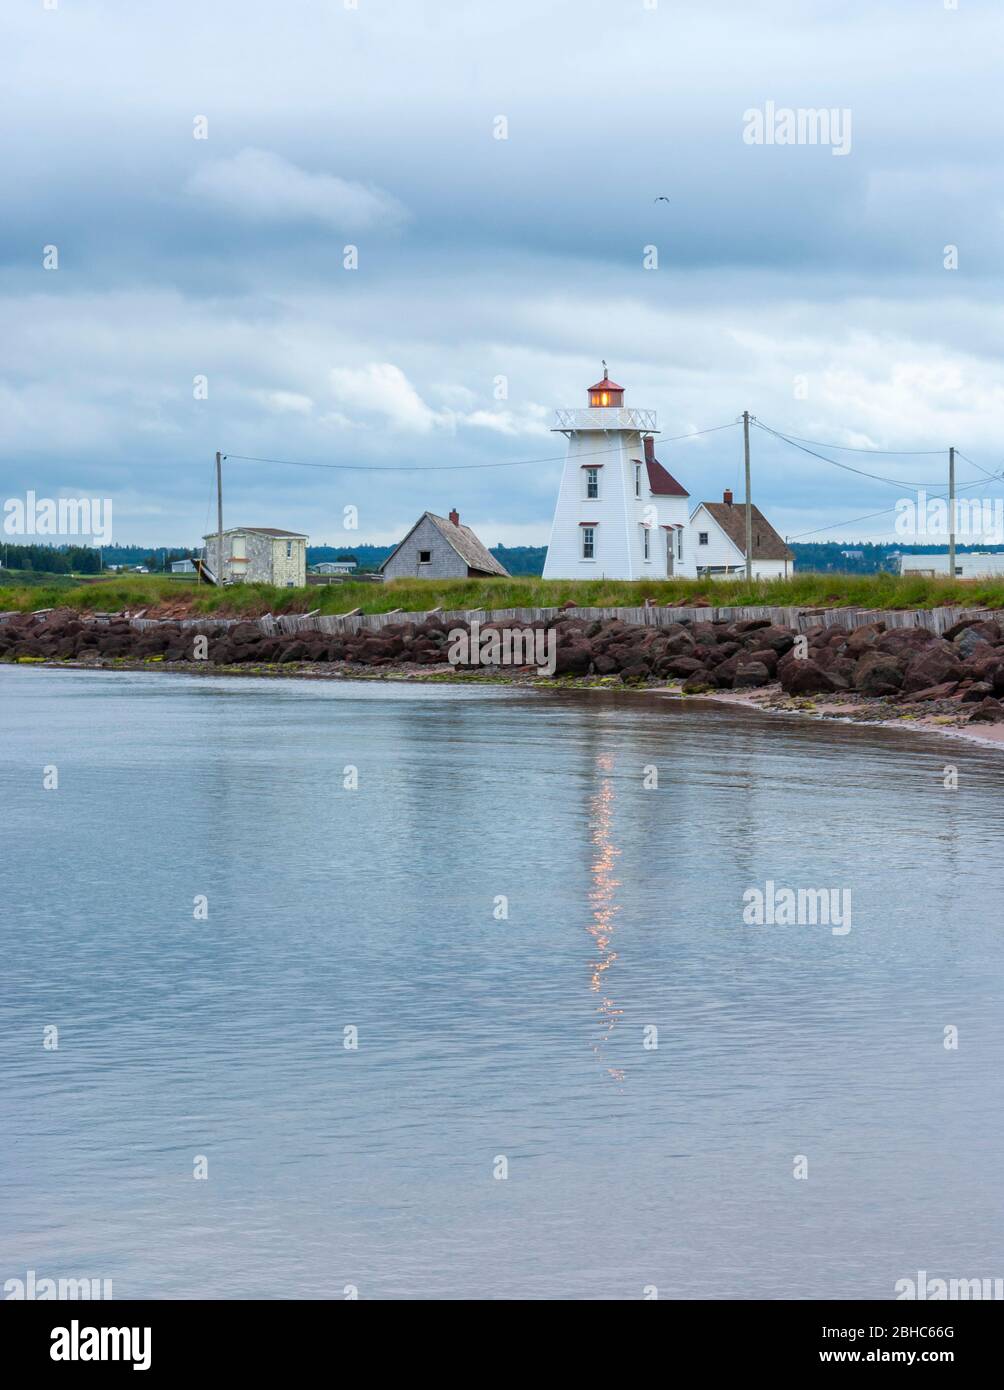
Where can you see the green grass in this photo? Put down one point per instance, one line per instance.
(417, 595)
(28, 579)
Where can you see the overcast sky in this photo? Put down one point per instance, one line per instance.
(806, 285)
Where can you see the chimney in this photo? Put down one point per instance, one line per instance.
(727, 497)
(649, 449)
(455, 517)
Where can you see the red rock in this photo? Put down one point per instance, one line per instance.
(989, 711)
(933, 692)
(680, 667)
(680, 644)
(573, 659)
(987, 628)
(979, 690)
(971, 644)
(296, 651)
(749, 674)
(933, 666)
(767, 658)
(877, 673)
(901, 641)
(805, 678)
(863, 638)
(776, 639)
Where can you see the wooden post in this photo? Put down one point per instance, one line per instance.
(951, 512)
(749, 502)
(219, 518)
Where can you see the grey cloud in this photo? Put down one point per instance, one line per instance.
(481, 257)
(264, 187)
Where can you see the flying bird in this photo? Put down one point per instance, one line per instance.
(662, 198)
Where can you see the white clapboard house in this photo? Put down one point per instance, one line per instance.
(619, 513)
(718, 537)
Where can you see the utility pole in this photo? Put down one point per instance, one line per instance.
(951, 512)
(749, 503)
(219, 518)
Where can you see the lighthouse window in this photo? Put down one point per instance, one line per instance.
(588, 542)
(637, 480)
(645, 542)
(592, 482)
(702, 538)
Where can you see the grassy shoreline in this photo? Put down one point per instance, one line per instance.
(420, 595)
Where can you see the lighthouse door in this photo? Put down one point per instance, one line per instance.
(669, 553)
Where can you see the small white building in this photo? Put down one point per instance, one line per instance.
(619, 513)
(258, 555)
(182, 566)
(718, 535)
(334, 567)
(970, 565)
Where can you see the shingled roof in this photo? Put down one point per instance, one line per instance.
(464, 542)
(661, 482)
(258, 531)
(731, 517)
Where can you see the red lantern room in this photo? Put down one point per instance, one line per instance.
(606, 392)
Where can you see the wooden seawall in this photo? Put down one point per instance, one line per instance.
(936, 620)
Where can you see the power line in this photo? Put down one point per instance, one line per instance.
(796, 441)
(942, 497)
(462, 467)
(998, 477)
(855, 449)
(894, 482)
(836, 527)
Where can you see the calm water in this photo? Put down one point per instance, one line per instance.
(482, 1037)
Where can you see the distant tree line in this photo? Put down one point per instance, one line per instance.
(864, 557)
(86, 559)
(836, 557)
(48, 559)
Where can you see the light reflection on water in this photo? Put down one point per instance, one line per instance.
(477, 1037)
(602, 897)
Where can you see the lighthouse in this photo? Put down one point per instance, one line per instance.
(619, 513)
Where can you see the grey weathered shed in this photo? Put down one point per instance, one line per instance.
(439, 547)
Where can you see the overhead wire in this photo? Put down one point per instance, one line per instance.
(461, 467)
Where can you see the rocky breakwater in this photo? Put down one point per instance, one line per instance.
(905, 666)
(63, 635)
(961, 673)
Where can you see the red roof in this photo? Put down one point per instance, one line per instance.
(605, 385)
(661, 483)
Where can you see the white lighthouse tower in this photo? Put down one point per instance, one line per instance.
(619, 514)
